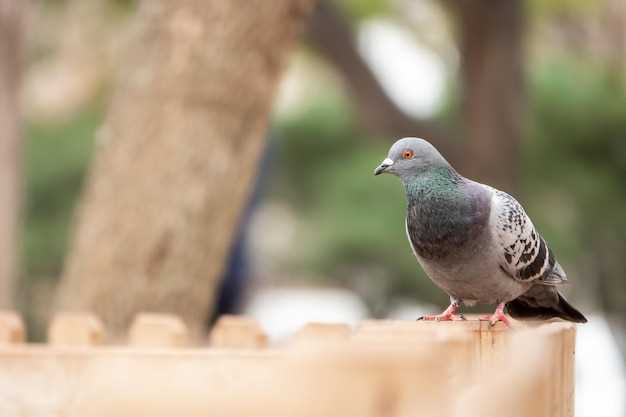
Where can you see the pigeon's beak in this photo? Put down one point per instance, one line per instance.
(383, 166)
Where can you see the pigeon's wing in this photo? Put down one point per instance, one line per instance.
(524, 255)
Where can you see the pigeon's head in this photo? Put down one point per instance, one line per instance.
(410, 156)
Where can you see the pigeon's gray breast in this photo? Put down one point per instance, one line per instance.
(440, 228)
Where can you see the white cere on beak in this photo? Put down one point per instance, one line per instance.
(383, 166)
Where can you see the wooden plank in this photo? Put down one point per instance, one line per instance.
(357, 380)
(383, 369)
(511, 391)
(67, 381)
(225, 384)
(235, 332)
(323, 383)
(489, 346)
(453, 370)
(484, 338)
(11, 328)
(158, 330)
(75, 329)
(534, 376)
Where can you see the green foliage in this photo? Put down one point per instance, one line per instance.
(549, 8)
(579, 140)
(56, 158)
(576, 166)
(314, 137)
(362, 9)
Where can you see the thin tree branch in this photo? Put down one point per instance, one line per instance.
(330, 33)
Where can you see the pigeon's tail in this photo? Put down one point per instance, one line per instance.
(543, 302)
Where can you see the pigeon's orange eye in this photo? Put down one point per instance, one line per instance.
(408, 154)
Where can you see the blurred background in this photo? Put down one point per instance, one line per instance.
(157, 159)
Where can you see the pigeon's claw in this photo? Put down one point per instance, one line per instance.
(497, 316)
(442, 317)
(451, 313)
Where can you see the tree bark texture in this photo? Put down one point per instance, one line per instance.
(491, 36)
(10, 145)
(177, 156)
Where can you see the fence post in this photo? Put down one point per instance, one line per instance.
(75, 329)
(158, 330)
(237, 333)
(11, 328)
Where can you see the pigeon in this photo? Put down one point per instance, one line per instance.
(475, 242)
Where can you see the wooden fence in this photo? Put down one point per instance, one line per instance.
(378, 369)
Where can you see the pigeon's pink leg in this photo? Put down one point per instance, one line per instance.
(451, 313)
(497, 316)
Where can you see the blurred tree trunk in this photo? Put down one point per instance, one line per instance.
(10, 145)
(330, 33)
(491, 34)
(178, 153)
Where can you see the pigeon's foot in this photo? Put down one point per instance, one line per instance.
(451, 313)
(497, 316)
(442, 317)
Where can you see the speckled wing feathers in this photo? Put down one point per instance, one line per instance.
(525, 255)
